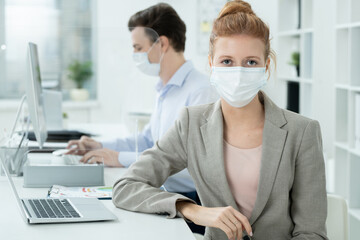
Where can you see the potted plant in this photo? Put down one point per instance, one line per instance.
(79, 72)
(65, 120)
(295, 61)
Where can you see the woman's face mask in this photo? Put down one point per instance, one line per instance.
(238, 69)
(238, 85)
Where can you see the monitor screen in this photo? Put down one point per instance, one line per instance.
(34, 96)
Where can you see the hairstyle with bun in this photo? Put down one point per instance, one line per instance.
(237, 17)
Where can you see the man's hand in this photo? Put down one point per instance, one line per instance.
(104, 155)
(82, 146)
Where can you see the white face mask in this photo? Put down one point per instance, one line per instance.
(141, 60)
(238, 85)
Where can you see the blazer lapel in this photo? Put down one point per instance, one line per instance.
(274, 138)
(212, 134)
(273, 144)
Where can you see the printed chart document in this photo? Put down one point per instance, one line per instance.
(57, 191)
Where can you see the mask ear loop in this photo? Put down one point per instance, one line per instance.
(162, 54)
(267, 68)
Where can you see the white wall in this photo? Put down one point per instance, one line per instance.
(121, 88)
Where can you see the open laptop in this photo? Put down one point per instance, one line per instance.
(47, 210)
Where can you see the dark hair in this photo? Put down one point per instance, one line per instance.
(164, 20)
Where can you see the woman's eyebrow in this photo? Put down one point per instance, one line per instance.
(253, 57)
(225, 56)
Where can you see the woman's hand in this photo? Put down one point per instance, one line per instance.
(226, 218)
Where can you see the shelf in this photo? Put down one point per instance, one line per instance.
(341, 116)
(342, 165)
(296, 79)
(306, 99)
(354, 179)
(307, 80)
(342, 145)
(347, 25)
(288, 47)
(289, 79)
(355, 212)
(355, 152)
(342, 86)
(306, 58)
(295, 32)
(347, 87)
(342, 56)
(355, 56)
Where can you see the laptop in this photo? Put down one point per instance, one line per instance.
(63, 210)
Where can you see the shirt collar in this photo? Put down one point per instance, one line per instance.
(179, 76)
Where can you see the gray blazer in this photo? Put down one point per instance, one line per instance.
(291, 200)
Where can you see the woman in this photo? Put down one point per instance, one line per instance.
(257, 168)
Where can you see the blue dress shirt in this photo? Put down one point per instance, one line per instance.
(187, 87)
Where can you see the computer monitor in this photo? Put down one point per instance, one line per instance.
(34, 95)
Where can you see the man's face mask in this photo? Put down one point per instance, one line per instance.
(148, 61)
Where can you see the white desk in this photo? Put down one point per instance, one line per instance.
(129, 225)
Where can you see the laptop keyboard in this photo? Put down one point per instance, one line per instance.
(53, 208)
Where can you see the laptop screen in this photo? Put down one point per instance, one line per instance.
(19, 203)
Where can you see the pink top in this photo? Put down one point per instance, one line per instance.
(242, 167)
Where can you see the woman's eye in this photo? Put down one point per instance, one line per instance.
(226, 62)
(251, 63)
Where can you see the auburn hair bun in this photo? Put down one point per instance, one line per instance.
(237, 17)
(236, 7)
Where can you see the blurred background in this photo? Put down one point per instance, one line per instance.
(317, 43)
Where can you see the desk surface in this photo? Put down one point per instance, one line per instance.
(129, 225)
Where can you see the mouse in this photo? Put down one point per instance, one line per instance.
(60, 152)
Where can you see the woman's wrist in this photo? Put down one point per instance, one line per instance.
(187, 209)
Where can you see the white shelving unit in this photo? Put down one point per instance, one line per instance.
(296, 37)
(347, 85)
(2, 44)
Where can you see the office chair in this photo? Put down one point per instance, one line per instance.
(337, 219)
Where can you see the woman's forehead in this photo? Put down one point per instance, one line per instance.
(239, 45)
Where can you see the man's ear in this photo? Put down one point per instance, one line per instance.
(165, 43)
(210, 62)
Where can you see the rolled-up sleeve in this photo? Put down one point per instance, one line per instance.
(126, 146)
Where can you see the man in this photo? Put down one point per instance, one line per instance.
(158, 36)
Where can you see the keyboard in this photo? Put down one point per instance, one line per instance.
(53, 208)
(61, 135)
(71, 159)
